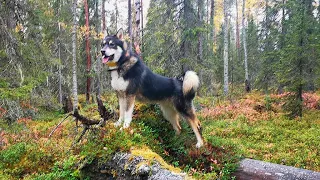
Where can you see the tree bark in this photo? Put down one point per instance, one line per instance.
(98, 56)
(212, 32)
(130, 24)
(141, 25)
(59, 71)
(137, 37)
(86, 9)
(225, 52)
(103, 15)
(200, 35)
(244, 41)
(74, 57)
(237, 30)
(59, 57)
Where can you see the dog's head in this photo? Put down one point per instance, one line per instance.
(113, 48)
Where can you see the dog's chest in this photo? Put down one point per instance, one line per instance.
(117, 82)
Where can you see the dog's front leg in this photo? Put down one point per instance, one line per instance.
(122, 107)
(129, 110)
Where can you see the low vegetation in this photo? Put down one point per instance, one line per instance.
(254, 126)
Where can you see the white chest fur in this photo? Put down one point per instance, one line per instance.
(117, 82)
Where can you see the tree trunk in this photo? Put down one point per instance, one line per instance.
(237, 30)
(200, 35)
(60, 66)
(244, 42)
(98, 56)
(117, 13)
(212, 32)
(137, 38)
(282, 41)
(74, 57)
(186, 44)
(103, 16)
(86, 9)
(130, 24)
(225, 52)
(141, 25)
(59, 57)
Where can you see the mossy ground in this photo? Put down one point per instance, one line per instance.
(233, 129)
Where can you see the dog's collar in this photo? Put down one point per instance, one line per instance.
(125, 66)
(111, 64)
(116, 69)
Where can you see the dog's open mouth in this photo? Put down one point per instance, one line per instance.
(107, 58)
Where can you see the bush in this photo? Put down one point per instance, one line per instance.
(15, 110)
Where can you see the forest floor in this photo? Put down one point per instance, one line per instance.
(252, 126)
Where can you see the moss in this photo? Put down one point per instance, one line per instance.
(151, 156)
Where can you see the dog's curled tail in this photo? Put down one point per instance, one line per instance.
(190, 83)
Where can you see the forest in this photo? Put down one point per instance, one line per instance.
(258, 62)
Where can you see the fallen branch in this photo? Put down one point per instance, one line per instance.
(85, 128)
(86, 122)
(104, 114)
(59, 124)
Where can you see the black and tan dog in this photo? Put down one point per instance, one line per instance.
(132, 79)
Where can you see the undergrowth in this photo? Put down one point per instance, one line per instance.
(254, 127)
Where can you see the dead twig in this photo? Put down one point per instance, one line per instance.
(59, 124)
(86, 122)
(85, 128)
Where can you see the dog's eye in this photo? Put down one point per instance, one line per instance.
(111, 43)
(103, 43)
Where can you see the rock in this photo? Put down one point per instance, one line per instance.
(123, 166)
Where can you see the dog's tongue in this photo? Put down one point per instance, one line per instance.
(105, 60)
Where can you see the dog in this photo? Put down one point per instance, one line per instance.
(132, 79)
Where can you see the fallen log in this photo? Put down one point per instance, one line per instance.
(256, 170)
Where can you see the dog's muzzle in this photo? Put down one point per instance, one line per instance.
(105, 58)
(108, 59)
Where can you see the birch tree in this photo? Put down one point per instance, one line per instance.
(74, 56)
(244, 42)
(225, 51)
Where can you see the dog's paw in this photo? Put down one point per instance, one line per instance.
(199, 144)
(118, 123)
(126, 125)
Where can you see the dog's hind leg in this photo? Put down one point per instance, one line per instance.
(171, 115)
(187, 111)
(129, 100)
(196, 127)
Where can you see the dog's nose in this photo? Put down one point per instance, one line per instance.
(103, 52)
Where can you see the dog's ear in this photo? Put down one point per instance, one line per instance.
(120, 34)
